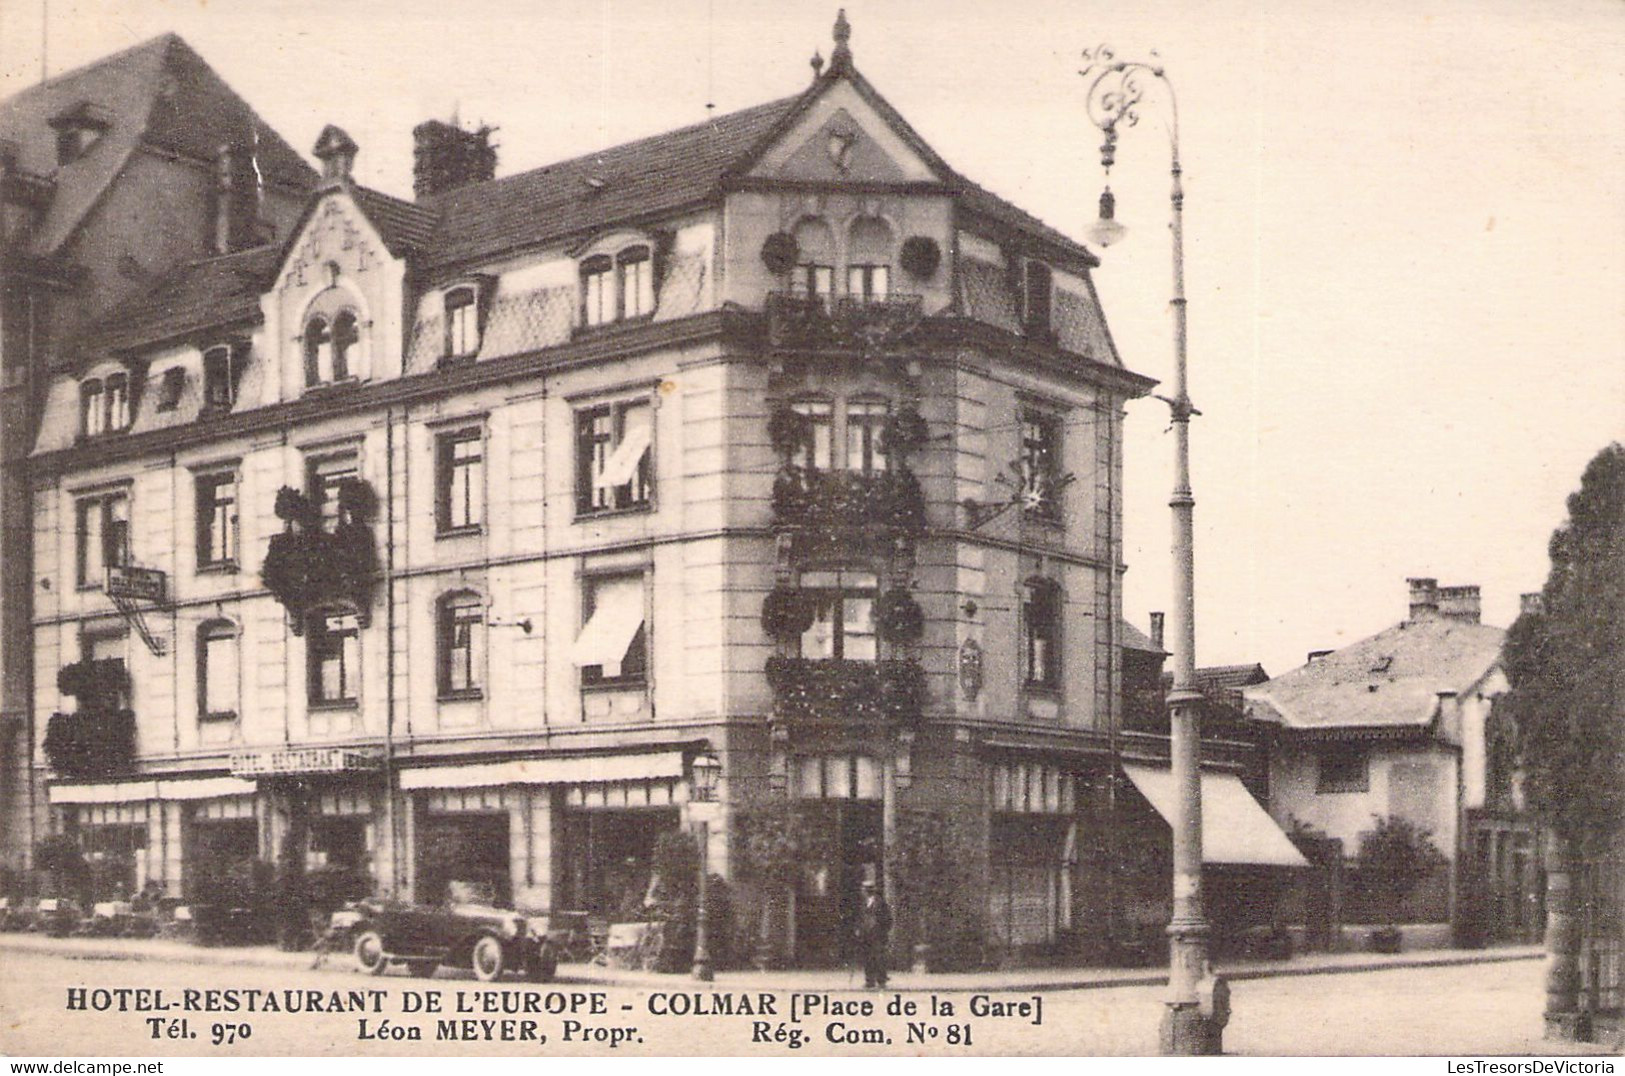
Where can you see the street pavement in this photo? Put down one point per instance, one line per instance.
(1457, 1009)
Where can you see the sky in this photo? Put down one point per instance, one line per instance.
(1404, 230)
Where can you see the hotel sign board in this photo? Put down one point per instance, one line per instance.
(301, 761)
(136, 584)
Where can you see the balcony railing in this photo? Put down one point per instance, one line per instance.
(828, 689)
(843, 501)
(829, 323)
(91, 744)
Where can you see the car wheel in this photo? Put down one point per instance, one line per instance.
(423, 969)
(370, 954)
(487, 959)
(543, 964)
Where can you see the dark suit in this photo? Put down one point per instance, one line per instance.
(874, 930)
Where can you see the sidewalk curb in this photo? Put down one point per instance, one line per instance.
(1085, 979)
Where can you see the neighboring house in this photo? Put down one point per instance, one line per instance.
(111, 175)
(446, 535)
(1402, 723)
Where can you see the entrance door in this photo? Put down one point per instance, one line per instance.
(829, 891)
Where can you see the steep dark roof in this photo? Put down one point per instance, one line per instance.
(405, 226)
(160, 93)
(211, 292)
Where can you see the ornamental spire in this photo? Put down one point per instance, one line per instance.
(841, 59)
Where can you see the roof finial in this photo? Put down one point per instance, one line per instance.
(817, 63)
(841, 58)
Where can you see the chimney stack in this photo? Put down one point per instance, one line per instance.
(445, 157)
(1459, 603)
(1531, 604)
(236, 200)
(1156, 630)
(1317, 655)
(1424, 598)
(336, 150)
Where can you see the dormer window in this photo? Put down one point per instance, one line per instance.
(346, 335)
(169, 392)
(617, 287)
(318, 351)
(331, 348)
(104, 405)
(222, 367)
(1037, 300)
(118, 402)
(462, 323)
(92, 408)
(77, 130)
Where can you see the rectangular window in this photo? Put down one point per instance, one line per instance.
(216, 519)
(462, 645)
(1041, 634)
(1342, 768)
(636, 283)
(612, 456)
(597, 291)
(818, 451)
(92, 409)
(843, 624)
(613, 644)
(462, 323)
(1040, 464)
(222, 366)
(864, 421)
(334, 643)
(814, 280)
(118, 403)
(217, 673)
(868, 282)
(460, 480)
(1037, 300)
(325, 477)
(103, 536)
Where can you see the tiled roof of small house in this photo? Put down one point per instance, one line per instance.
(206, 293)
(405, 226)
(1391, 680)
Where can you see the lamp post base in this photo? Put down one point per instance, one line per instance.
(702, 971)
(1187, 1032)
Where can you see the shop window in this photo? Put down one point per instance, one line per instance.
(460, 480)
(817, 452)
(865, 452)
(1041, 633)
(612, 647)
(612, 456)
(325, 478)
(218, 674)
(217, 519)
(1342, 768)
(102, 536)
(1040, 464)
(333, 641)
(462, 323)
(462, 645)
(843, 625)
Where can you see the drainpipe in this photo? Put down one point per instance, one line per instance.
(391, 815)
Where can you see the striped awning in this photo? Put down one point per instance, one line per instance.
(594, 769)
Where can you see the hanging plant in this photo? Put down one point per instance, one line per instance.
(788, 430)
(905, 432)
(921, 256)
(787, 612)
(294, 507)
(779, 252)
(899, 617)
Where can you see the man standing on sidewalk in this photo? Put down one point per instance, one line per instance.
(874, 931)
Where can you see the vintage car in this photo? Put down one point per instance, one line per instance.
(487, 940)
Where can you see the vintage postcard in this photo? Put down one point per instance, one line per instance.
(750, 529)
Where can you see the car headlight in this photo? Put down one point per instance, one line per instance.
(537, 925)
(512, 928)
(344, 918)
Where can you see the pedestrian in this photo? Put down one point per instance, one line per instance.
(874, 931)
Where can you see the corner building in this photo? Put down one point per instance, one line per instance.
(441, 537)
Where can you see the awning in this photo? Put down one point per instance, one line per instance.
(1235, 828)
(623, 462)
(549, 771)
(206, 789)
(616, 617)
(113, 792)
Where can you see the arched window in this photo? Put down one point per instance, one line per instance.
(118, 402)
(92, 408)
(815, 259)
(218, 671)
(636, 281)
(869, 254)
(1041, 633)
(333, 656)
(462, 644)
(598, 290)
(318, 351)
(346, 335)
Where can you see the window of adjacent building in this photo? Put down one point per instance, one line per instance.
(218, 673)
(869, 255)
(612, 647)
(462, 644)
(612, 456)
(222, 368)
(817, 452)
(324, 481)
(1037, 299)
(1040, 463)
(459, 480)
(1041, 633)
(598, 290)
(217, 519)
(462, 322)
(865, 419)
(843, 625)
(333, 640)
(103, 536)
(1342, 768)
(814, 273)
(636, 282)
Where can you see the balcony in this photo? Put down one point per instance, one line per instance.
(91, 744)
(843, 501)
(801, 322)
(811, 689)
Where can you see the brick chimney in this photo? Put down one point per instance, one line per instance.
(1156, 630)
(236, 199)
(1531, 604)
(1459, 603)
(445, 157)
(1424, 598)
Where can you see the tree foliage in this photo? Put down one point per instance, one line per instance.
(1395, 857)
(1566, 666)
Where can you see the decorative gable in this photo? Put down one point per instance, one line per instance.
(841, 137)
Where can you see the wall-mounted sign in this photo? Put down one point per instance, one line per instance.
(286, 761)
(139, 584)
(970, 669)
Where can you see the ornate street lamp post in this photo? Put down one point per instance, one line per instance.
(707, 772)
(1198, 1003)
